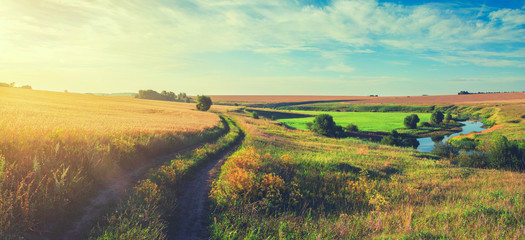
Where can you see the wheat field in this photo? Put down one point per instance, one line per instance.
(57, 148)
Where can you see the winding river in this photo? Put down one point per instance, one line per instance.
(427, 144)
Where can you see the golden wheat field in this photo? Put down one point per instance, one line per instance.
(38, 111)
(57, 148)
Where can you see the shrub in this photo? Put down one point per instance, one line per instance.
(255, 115)
(351, 128)
(473, 159)
(392, 140)
(448, 117)
(506, 154)
(437, 117)
(26, 87)
(464, 143)
(411, 121)
(444, 150)
(203, 103)
(324, 124)
(424, 124)
(411, 142)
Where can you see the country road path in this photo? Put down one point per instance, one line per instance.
(113, 192)
(191, 217)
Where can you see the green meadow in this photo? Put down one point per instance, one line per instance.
(366, 121)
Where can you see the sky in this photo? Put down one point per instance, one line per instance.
(271, 47)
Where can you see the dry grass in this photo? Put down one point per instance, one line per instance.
(56, 148)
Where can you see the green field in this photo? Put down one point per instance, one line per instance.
(366, 121)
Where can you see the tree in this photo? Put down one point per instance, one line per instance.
(351, 128)
(203, 103)
(411, 121)
(448, 117)
(437, 117)
(393, 139)
(324, 124)
(26, 87)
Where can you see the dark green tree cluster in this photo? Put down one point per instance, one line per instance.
(324, 124)
(448, 117)
(351, 128)
(444, 149)
(203, 103)
(395, 139)
(163, 96)
(411, 121)
(437, 117)
(502, 154)
(506, 154)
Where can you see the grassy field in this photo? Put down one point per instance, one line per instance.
(366, 121)
(57, 148)
(287, 184)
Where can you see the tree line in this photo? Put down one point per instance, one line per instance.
(163, 96)
(2, 84)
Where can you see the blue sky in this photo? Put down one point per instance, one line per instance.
(338, 47)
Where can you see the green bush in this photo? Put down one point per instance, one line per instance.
(351, 128)
(203, 103)
(411, 121)
(390, 140)
(411, 142)
(506, 154)
(448, 117)
(437, 117)
(464, 143)
(473, 159)
(444, 150)
(424, 124)
(324, 124)
(255, 115)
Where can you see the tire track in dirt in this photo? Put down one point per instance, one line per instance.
(190, 220)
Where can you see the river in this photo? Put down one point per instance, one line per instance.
(427, 144)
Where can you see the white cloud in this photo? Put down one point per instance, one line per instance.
(340, 68)
(150, 33)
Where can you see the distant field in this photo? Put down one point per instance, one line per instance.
(436, 99)
(281, 98)
(366, 121)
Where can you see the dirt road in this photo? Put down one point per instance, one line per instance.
(191, 218)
